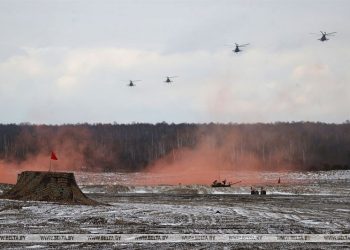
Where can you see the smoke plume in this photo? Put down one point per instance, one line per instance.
(218, 156)
(68, 143)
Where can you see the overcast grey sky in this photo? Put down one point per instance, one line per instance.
(70, 61)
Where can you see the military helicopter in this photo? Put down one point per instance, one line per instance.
(237, 49)
(324, 35)
(168, 79)
(131, 83)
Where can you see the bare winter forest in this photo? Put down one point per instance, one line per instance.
(136, 147)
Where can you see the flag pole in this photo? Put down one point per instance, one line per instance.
(53, 157)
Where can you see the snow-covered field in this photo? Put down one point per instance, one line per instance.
(306, 183)
(304, 202)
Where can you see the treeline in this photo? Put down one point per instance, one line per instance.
(133, 147)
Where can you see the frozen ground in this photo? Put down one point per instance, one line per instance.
(310, 202)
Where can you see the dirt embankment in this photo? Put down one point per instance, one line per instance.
(59, 187)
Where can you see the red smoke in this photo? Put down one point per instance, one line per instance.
(210, 161)
(219, 154)
(68, 143)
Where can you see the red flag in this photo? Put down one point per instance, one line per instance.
(53, 156)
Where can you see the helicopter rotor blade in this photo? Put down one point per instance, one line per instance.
(243, 45)
(172, 76)
(330, 34)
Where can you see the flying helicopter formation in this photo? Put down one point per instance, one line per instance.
(237, 49)
(168, 79)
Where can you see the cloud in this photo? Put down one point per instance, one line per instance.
(29, 64)
(314, 70)
(70, 62)
(89, 85)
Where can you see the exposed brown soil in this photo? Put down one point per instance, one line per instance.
(59, 187)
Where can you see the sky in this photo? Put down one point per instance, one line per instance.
(70, 61)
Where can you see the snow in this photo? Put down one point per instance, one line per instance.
(301, 183)
(313, 206)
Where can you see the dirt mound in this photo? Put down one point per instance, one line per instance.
(59, 187)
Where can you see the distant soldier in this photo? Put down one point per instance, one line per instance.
(262, 191)
(279, 180)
